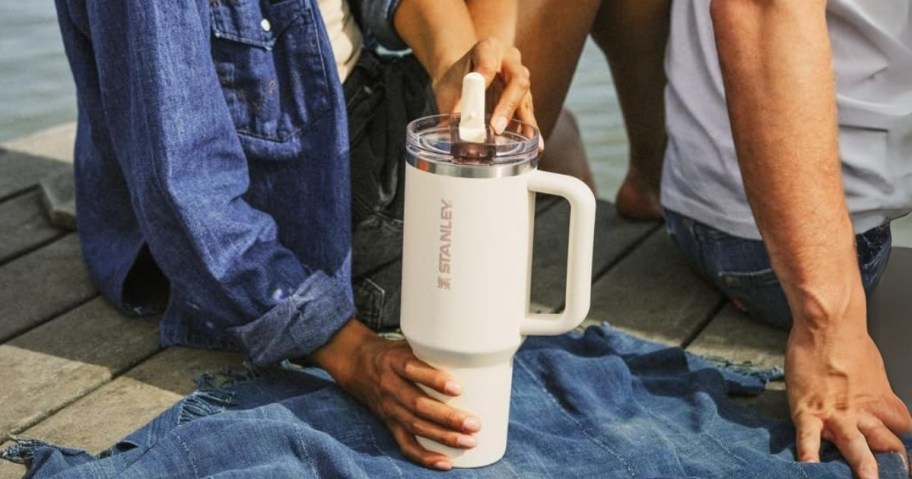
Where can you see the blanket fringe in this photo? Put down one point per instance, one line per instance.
(747, 368)
(211, 395)
(23, 451)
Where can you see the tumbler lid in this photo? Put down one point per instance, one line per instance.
(433, 145)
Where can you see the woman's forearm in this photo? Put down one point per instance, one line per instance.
(495, 18)
(439, 32)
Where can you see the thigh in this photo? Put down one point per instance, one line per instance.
(550, 35)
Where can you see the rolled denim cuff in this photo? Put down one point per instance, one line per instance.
(303, 322)
(377, 20)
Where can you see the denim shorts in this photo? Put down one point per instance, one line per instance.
(382, 94)
(741, 268)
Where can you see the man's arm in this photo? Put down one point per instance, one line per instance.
(777, 67)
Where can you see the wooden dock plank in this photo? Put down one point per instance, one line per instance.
(62, 360)
(133, 399)
(175, 369)
(772, 403)
(59, 199)
(54, 143)
(654, 294)
(22, 171)
(111, 412)
(24, 225)
(8, 470)
(737, 338)
(614, 236)
(41, 285)
(734, 336)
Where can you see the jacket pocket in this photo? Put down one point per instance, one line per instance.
(271, 66)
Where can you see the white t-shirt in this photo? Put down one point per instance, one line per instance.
(344, 35)
(872, 53)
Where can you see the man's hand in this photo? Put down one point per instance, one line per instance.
(838, 390)
(382, 374)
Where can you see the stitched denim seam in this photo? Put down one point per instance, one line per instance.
(318, 113)
(512, 471)
(715, 439)
(802, 471)
(190, 460)
(253, 42)
(725, 449)
(579, 425)
(310, 460)
(748, 279)
(313, 21)
(221, 32)
(700, 259)
(381, 453)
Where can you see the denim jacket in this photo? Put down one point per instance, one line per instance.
(212, 147)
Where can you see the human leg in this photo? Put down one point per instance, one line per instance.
(550, 36)
(382, 96)
(565, 153)
(633, 34)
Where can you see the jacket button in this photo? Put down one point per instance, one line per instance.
(266, 25)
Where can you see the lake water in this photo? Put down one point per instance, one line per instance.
(36, 89)
(36, 92)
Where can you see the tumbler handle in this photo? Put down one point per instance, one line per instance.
(579, 254)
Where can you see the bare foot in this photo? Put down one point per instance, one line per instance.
(638, 198)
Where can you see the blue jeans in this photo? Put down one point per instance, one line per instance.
(382, 95)
(741, 269)
(601, 404)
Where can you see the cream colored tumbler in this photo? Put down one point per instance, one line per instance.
(469, 222)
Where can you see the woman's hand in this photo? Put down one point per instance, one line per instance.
(505, 75)
(443, 37)
(383, 374)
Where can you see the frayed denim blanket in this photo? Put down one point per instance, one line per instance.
(599, 404)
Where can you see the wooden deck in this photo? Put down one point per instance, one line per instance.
(75, 372)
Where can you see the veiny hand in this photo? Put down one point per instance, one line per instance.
(501, 65)
(382, 375)
(837, 389)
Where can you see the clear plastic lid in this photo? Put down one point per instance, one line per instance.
(433, 145)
